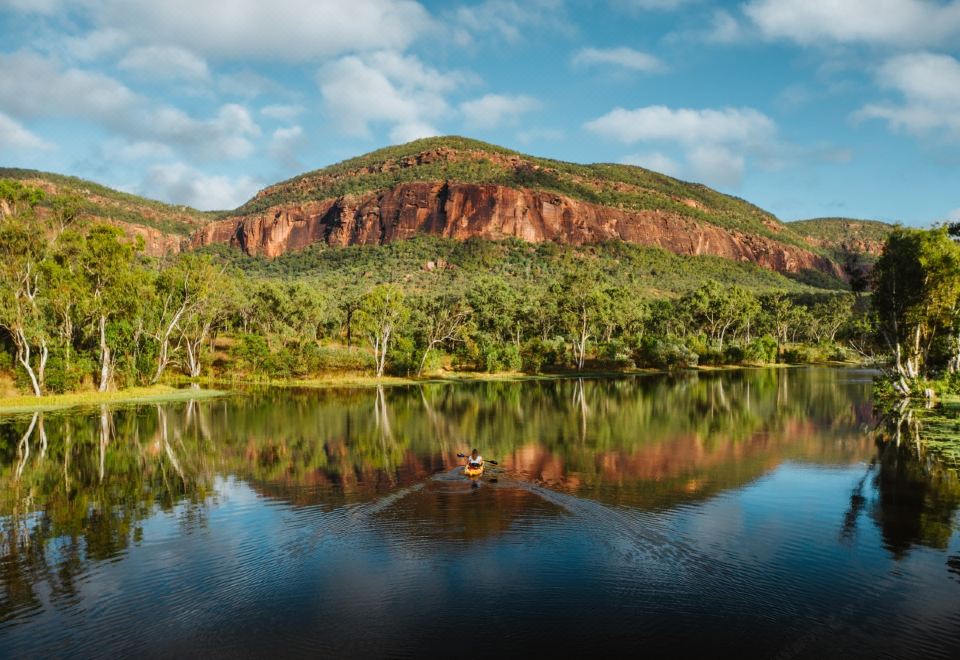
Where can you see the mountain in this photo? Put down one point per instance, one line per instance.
(460, 188)
(163, 227)
(844, 235)
(454, 187)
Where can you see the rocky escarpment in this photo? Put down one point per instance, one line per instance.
(462, 210)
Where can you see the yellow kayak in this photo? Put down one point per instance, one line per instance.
(472, 472)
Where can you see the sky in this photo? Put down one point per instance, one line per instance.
(807, 108)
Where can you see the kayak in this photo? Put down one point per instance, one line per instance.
(472, 472)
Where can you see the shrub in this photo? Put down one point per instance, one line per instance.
(733, 354)
(664, 354)
(762, 350)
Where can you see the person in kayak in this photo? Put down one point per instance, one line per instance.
(474, 460)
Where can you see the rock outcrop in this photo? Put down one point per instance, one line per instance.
(462, 211)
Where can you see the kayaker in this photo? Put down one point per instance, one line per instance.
(474, 460)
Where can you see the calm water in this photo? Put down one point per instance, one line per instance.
(750, 512)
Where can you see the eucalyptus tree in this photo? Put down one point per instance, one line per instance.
(382, 310)
(23, 248)
(446, 318)
(584, 305)
(916, 297)
(112, 281)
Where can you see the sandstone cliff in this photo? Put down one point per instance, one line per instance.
(464, 210)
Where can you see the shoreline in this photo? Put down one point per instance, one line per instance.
(178, 389)
(54, 402)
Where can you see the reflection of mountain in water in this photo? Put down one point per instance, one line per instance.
(90, 479)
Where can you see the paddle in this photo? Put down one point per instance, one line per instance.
(486, 460)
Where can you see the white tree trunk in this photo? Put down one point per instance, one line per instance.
(104, 355)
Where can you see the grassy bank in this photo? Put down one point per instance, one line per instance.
(153, 394)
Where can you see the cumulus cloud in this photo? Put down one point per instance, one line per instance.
(135, 151)
(96, 44)
(386, 88)
(492, 110)
(714, 141)
(15, 137)
(637, 6)
(179, 183)
(291, 30)
(284, 144)
(282, 112)
(165, 63)
(930, 86)
(894, 22)
(510, 20)
(34, 86)
(658, 122)
(654, 160)
(626, 58)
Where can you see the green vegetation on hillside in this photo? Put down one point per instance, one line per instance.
(97, 201)
(80, 308)
(842, 230)
(619, 186)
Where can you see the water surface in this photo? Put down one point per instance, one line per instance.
(753, 512)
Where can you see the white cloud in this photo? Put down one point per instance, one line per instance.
(135, 151)
(652, 5)
(282, 112)
(724, 29)
(289, 30)
(14, 136)
(34, 86)
(895, 22)
(178, 183)
(714, 141)
(688, 126)
(954, 215)
(33, 6)
(284, 144)
(386, 88)
(492, 110)
(654, 160)
(96, 44)
(165, 63)
(624, 57)
(717, 164)
(930, 86)
(512, 21)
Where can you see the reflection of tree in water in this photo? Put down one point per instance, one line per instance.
(917, 498)
(90, 486)
(91, 479)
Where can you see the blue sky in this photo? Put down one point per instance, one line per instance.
(805, 107)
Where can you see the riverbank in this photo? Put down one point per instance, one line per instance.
(152, 394)
(178, 388)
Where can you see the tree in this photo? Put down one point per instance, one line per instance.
(583, 306)
(446, 318)
(382, 309)
(23, 247)
(108, 264)
(916, 296)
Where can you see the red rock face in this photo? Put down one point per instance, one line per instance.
(462, 211)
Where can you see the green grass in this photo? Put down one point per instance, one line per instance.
(153, 394)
